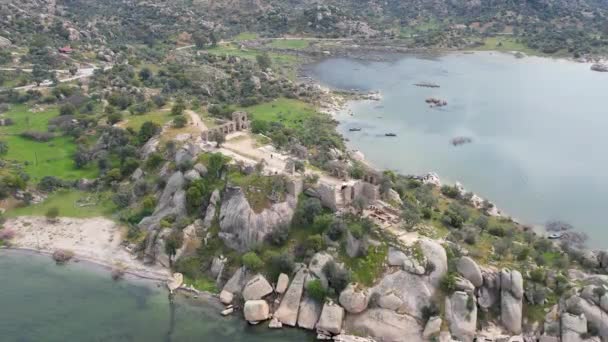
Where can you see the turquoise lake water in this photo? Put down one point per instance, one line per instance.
(40, 301)
(538, 127)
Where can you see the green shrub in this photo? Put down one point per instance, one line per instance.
(316, 290)
(337, 277)
(252, 261)
(448, 283)
(450, 191)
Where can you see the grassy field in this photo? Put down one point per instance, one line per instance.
(52, 158)
(160, 117)
(279, 61)
(245, 36)
(67, 202)
(506, 44)
(287, 111)
(290, 43)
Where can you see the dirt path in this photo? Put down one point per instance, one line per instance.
(196, 120)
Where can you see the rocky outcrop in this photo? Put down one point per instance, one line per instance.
(4, 42)
(241, 227)
(573, 327)
(149, 147)
(414, 291)
(592, 312)
(171, 202)
(469, 269)
(192, 175)
(190, 241)
(309, 313)
(256, 288)
(330, 321)
(353, 300)
(407, 263)
(384, 325)
(176, 280)
(287, 312)
(432, 328)
(465, 285)
(226, 297)
(390, 301)
(211, 209)
(489, 293)
(351, 338)
(325, 193)
(316, 265)
(256, 311)
(238, 280)
(461, 314)
(282, 283)
(512, 291)
(435, 254)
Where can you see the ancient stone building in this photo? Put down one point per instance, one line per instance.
(239, 122)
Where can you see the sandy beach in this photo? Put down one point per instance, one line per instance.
(97, 240)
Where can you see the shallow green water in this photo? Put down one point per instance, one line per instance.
(538, 127)
(40, 301)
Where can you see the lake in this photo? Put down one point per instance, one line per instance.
(538, 127)
(41, 301)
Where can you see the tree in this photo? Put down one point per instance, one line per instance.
(216, 165)
(200, 40)
(67, 109)
(52, 214)
(218, 137)
(39, 74)
(173, 242)
(178, 107)
(307, 211)
(337, 277)
(145, 74)
(3, 147)
(147, 131)
(81, 158)
(410, 214)
(264, 61)
(179, 121)
(73, 70)
(114, 118)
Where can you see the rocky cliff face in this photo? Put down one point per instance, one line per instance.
(241, 228)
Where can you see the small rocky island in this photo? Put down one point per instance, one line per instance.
(600, 67)
(436, 102)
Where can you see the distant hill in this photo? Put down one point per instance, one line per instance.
(575, 27)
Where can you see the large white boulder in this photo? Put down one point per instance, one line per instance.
(287, 312)
(256, 288)
(432, 327)
(330, 322)
(309, 313)
(573, 327)
(511, 284)
(256, 311)
(282, 283)
(461, 314)
(354, 300)
(435, 254)
(384, 325)
(469, 269)
(226, 297)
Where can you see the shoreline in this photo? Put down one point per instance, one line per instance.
(94, 263)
